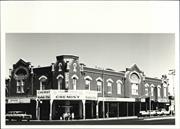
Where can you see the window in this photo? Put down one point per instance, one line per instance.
(152, 91)
(20, 86)
(60, 67)
(146, 91)
(74, 81)
(119, 86)
(99, 86)
(134, 89)
(42, 82)
(159, 91)
(109, 87)
(87, 82)
(165, 92)
(74, 67)
(60, 80)
(67, 65)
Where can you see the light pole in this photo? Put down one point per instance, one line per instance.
(172, 73)
(149, 94)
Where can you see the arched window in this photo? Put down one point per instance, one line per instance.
(74, 81)
(146, 89)
(134, 87)
(119, 86)
(88, 82)
(159, 90)
(60, 80)
(109, 86)
(67, 65)
(165, 92)
(20, 86)
(152, 90)
(165, 89)
(74, 67)
(42, 82)
(99, 84)
(60, 67)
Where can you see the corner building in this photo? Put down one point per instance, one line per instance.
(68, 86)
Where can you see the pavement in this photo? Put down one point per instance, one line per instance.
(133, 120)
(96, 119)
(160, 118)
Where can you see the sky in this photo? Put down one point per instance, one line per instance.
(153, 53)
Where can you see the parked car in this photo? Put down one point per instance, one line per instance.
(148, 113)
(143, 113)
(165, 112)
(18, 115)
(159, 112)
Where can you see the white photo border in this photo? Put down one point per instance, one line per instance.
(89, 17)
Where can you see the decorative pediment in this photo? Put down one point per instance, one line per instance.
(21, 63)
(134, 67)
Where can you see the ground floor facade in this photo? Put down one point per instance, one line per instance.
(61, 105)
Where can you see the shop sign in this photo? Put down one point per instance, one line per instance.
(13, 100)
(116, 99)
(74, 95)
(67, 97)
(90, 95)
(24, 100)
(18, 101)
(43, 94)
(162, 100)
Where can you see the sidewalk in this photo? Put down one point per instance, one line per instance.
(96, 119)
(159, 118)
(118, 118)
(111, 118)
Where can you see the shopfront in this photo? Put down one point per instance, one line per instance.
(25, 104)
(62, 104)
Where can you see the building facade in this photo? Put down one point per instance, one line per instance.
(68, 86)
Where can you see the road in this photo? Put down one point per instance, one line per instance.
(98, 122)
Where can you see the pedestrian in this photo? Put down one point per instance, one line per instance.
(72, 115)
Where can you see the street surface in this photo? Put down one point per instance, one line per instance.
(136, 121)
